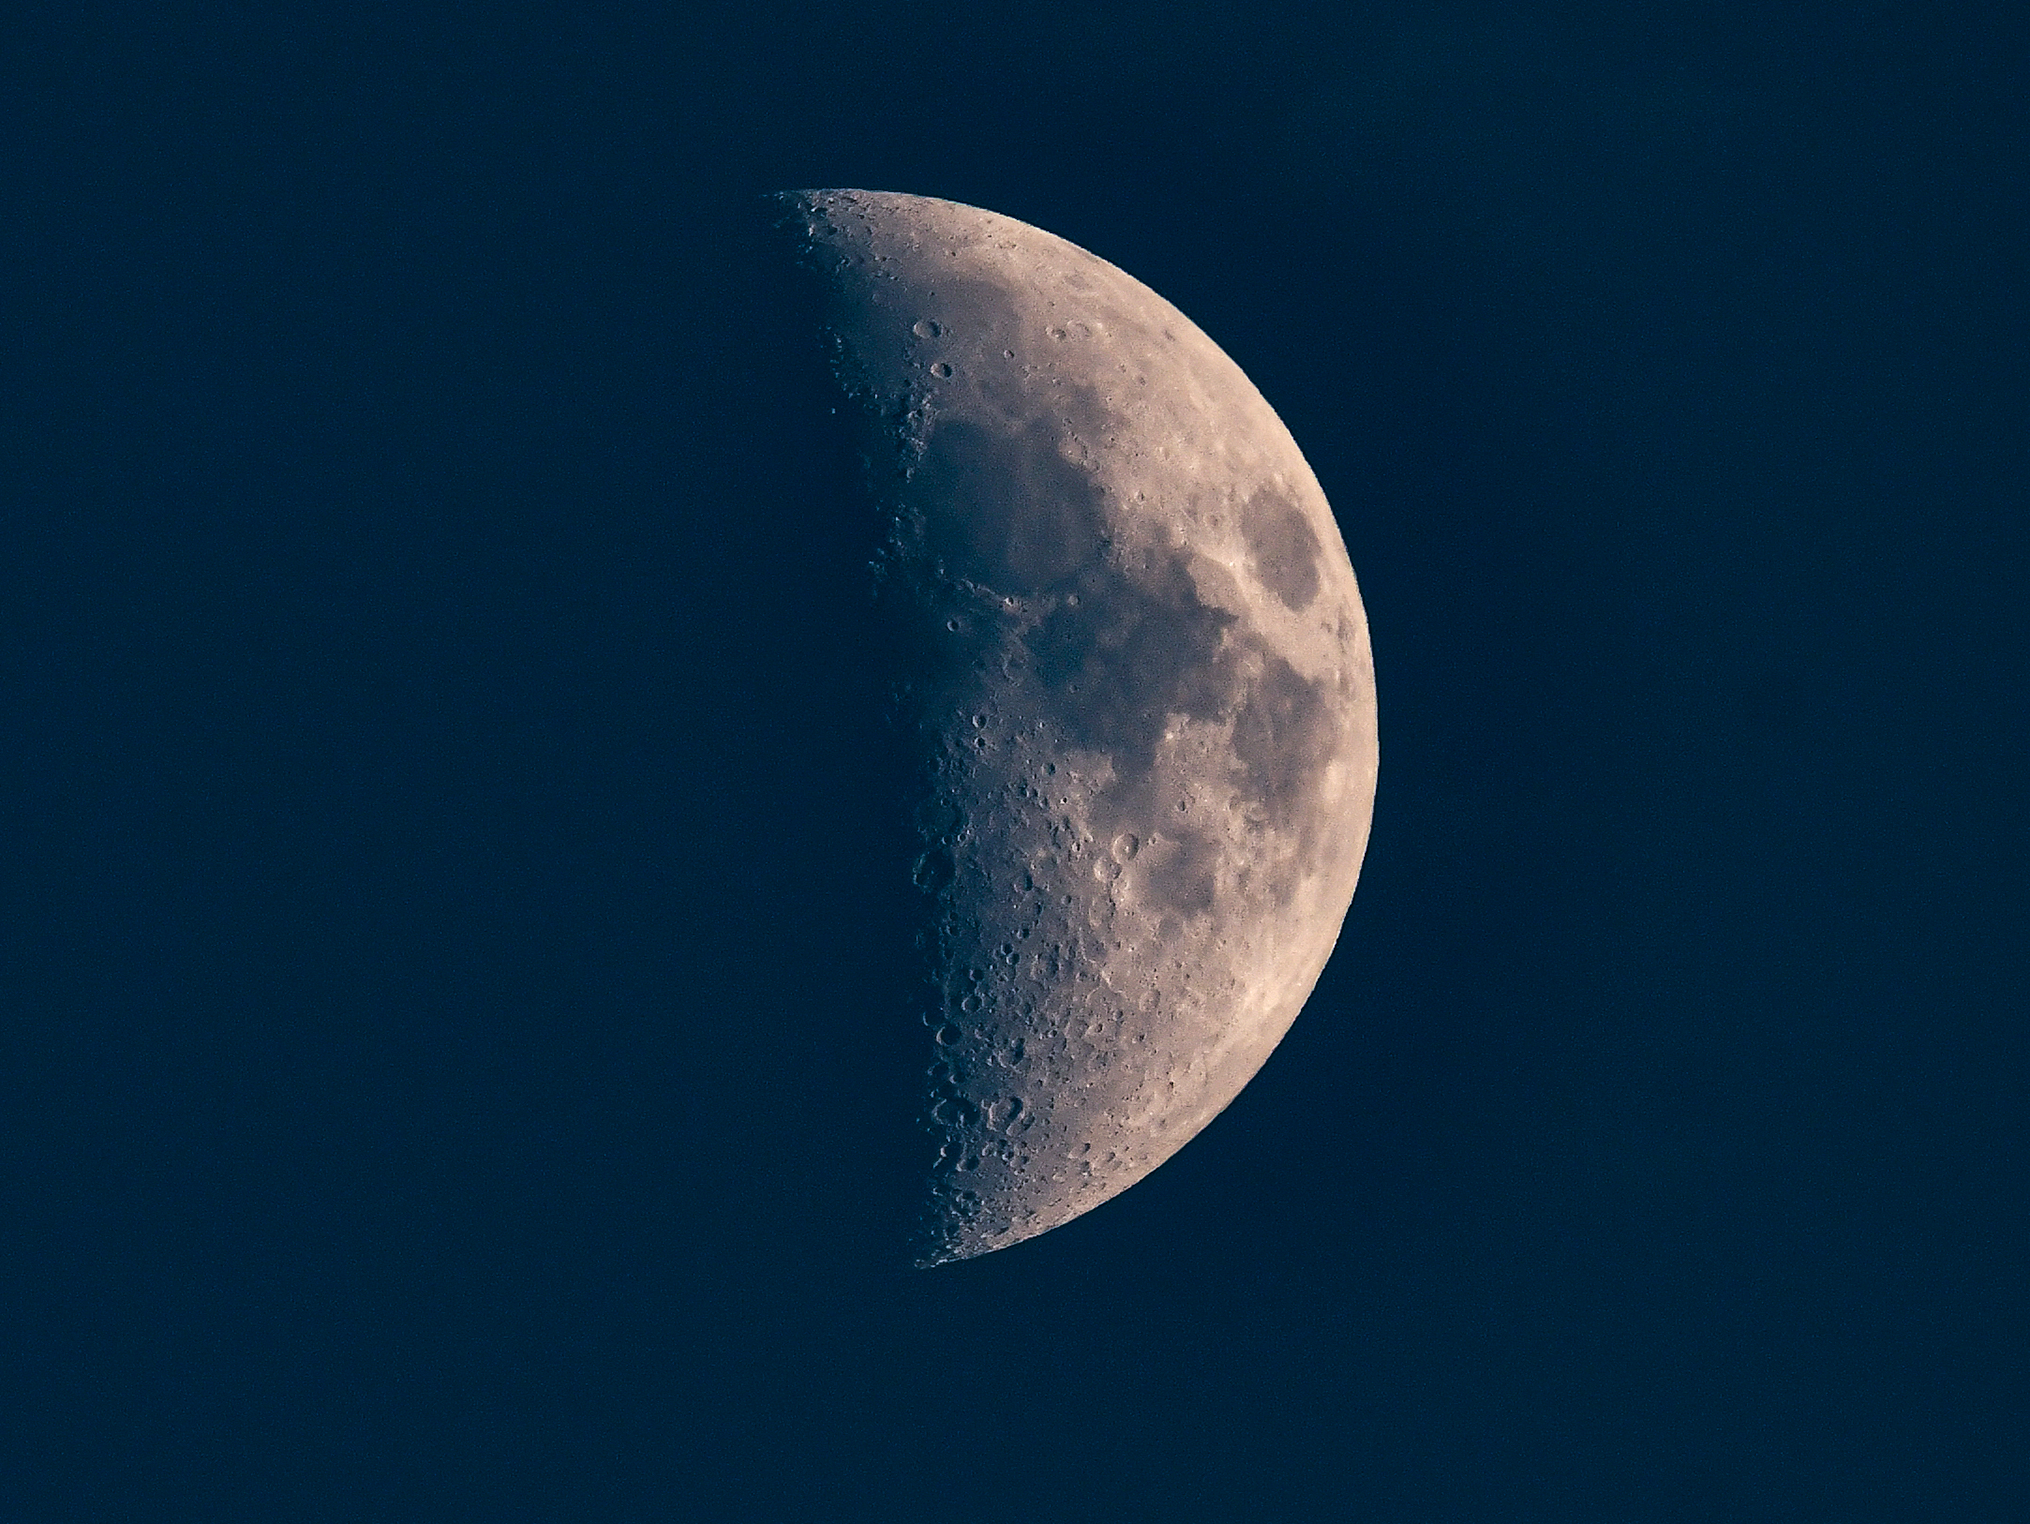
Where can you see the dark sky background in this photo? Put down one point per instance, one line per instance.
(441, 898)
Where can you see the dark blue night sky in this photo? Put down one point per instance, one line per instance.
(442, 997)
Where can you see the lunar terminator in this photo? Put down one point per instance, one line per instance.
(1134, 661)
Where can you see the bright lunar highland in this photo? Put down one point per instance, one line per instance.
(1135, 666)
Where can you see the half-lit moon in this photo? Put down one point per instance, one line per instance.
(1137, 665)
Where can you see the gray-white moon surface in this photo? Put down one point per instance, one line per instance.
(1137, 668)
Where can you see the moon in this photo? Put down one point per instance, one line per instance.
(1133, 664)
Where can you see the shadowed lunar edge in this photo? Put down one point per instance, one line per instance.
(1136, 669)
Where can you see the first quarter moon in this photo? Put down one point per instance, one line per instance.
(1133, 665)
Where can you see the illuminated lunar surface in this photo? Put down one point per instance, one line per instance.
(1137, 672)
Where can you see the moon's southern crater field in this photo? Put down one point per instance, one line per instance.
(1133, 668)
